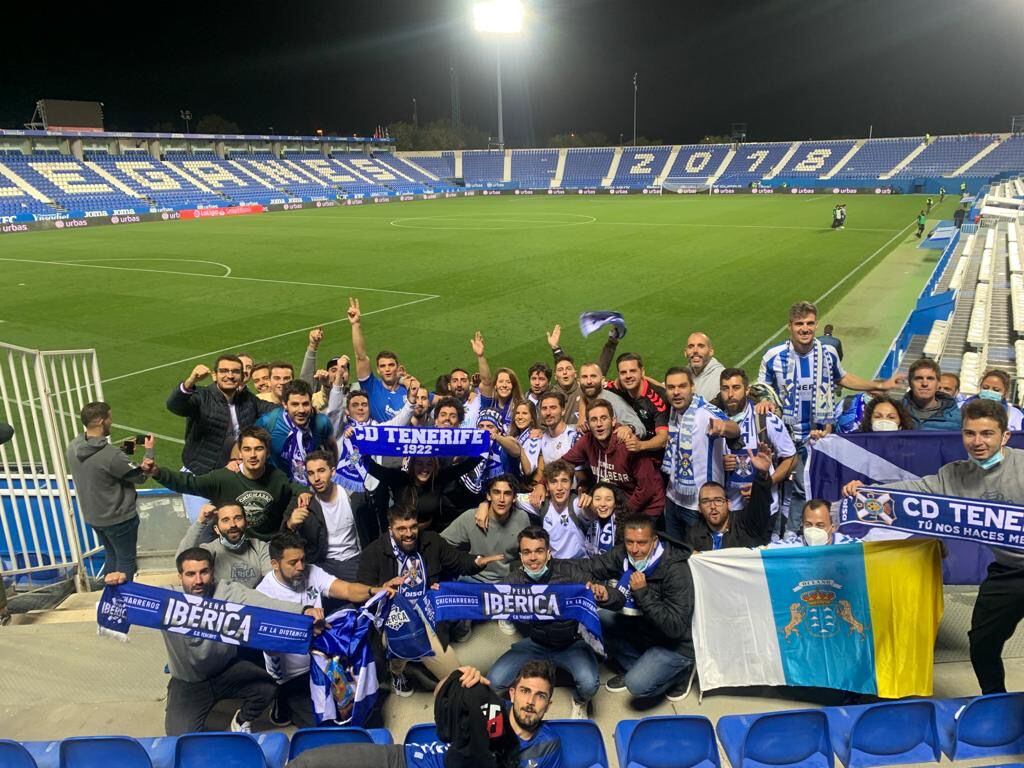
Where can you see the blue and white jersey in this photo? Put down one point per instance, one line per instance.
(569, 528)
(805, 385)
(384, 404)
(692, 456)
(782, 446)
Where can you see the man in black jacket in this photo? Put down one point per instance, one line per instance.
(718, 528)
(215, 416)
(421, 559)
(650, 636)
(333, 534)
(559, 641)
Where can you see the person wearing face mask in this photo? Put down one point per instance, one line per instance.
(559, 641)
(884, 414)
(236, 557)
(648, 637)
(993, 472)
(995, 386)
(818, 529)
(929, 408)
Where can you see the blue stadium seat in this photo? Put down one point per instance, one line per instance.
(988, 726)
(230, 750)
(311, 738)
(103, 752)
(13, 755)
(789, 738)
(582, 743)
(423, 733)
(668, 741)
(890, 733)
(45, 753)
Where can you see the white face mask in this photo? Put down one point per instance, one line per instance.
(884, 425)
(815, 537)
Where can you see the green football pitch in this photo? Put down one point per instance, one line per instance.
(155, 299)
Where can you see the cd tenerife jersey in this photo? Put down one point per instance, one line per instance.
(805, 385)
(692, 456)
(778, 438)
(384, 403)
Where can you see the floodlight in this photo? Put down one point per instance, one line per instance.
(500, 17)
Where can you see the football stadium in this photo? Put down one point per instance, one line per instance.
(409, 444)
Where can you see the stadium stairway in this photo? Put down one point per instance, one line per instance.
(905, 161)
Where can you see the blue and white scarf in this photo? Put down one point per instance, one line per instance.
(601, 536)
(412, 567)
(298, 443)
(678, 460)
(349, 473)
(204, 618)
(824, 405)
(630, 608)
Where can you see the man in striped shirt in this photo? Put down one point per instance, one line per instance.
(805, 374)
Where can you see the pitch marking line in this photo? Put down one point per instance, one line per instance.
(220, 277)
(225, 267)
(764, 344)
(251, 342)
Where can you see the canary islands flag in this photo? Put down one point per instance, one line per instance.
(858, 617)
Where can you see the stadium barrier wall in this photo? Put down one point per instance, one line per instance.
(43, 536)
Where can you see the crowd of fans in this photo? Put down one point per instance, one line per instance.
(609, 482)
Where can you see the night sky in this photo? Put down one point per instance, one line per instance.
(790, 69)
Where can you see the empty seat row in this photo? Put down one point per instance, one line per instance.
(977, 329)
(1017, 302)
(936, 339)
(971, 367)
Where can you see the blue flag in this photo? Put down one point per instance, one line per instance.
(380, 440)
(342, 673)
(457, 600)
(591, 321)
(405, 627)
(945, 517)
(205, 618)
(876, 458)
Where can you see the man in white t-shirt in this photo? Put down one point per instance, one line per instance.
(562, 514)
(333, 536)
(558, 436)
(292, 581)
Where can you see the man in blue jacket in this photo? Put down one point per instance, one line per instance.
(296, 430)
(930, 409)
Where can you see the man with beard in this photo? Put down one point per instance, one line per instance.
(557, 641)
(421, 559)
(592, 388)
(704, 367)
(206, 672)
(296, 430)
(293, 581)
(236, 557)
(385, 390)
(722, 528)
(646, 399)
(607, 459)
(263, 491)
(482, 733)
(755, 429)
(558, 436)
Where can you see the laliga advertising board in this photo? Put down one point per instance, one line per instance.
(977, 520)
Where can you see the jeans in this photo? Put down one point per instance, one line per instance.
(119, 546)
(650, 669)
(578, 660)
(342, 569)
(797, 494)
(188, 704)
(294, 701)
(678, 520)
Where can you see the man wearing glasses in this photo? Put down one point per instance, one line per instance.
(720, 528)
(214, 417)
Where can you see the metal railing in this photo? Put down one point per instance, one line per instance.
(42, 532)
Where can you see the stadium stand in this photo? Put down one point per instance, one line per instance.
(640, 166)
(484, 166)
(876, 157)
(944, 154)
(752, 162)
(814, 159)
(439, 164)
(157, 182)
(534, 168)
(586, 167)
(1008, 157)
(697, 162)
(71, 184)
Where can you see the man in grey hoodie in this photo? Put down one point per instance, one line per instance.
(992, 472)
(236, 557)
(105, 480)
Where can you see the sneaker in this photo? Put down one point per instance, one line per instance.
(580, 710)
(401, 686)
(461, 631)
(616, 684)
(678, 690)
(506, 627)
(277, 717)
(240, 727)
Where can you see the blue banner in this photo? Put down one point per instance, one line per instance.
(456, 600)
(876, 458)
(380, 440)
(945, 517)
(591, 321)
(205, 618)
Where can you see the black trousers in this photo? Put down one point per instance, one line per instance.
(352, 756)
(294, 701)
(188, 704)
(997, 612)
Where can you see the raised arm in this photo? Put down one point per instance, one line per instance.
(180, 402)
(308, 370)
(358, 342)
(486, 381)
